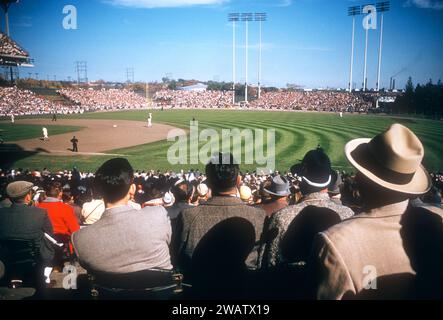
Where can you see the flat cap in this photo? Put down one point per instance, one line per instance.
(18, 189)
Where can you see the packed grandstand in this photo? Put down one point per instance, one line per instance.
(9, 47)
(17, 101)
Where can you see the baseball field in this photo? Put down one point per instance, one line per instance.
(104, 135)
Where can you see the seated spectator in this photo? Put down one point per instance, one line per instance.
(92, 211)
(124, 239)
(223, 178)
(245, 194)
(369, 251)
(203, 193)
(183, 192)
(154, 193)
(278, 195)
(23, 222)
(62, 216)
(298, 239)
(334, 190)
(317, 175)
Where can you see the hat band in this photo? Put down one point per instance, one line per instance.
(318, 185)
(378, 169)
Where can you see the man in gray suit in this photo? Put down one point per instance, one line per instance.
(223, 178)
(124, 239)
(23, 222)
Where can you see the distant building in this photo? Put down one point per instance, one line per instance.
(199, 87)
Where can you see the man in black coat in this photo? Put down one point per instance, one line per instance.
(23, 222)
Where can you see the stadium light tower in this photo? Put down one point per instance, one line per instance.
(260, 17)
(365, 64)
(233, 17)
(246, 17)
(381, 7)
(352, 11)
(5, 5)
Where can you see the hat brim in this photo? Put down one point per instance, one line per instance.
(420, 182)
(297, 168)
(287, 193)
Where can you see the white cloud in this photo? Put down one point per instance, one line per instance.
(425, 4)
(163, 3)
(284, 3)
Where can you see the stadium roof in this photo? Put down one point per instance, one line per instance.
(11, 54)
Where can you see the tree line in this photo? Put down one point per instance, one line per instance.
(426, 100)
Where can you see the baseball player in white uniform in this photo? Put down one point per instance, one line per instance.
(150, 120)
(45, 134)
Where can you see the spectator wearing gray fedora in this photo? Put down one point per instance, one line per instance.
(278, 190)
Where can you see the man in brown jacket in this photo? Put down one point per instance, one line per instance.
(374, 254)
(224, 207)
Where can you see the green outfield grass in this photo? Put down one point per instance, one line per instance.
(296, 133)
(14, 132)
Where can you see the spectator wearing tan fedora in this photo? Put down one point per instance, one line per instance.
(369, 255)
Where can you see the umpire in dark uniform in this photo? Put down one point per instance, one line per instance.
(74, 142)
(23, 222)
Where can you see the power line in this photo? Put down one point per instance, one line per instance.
(81, 68)
(130, 75)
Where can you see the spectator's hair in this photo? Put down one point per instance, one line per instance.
(222, 172)
(53, 189)
(154, 188)
(183, 191)
(66, 196)
(113, 179)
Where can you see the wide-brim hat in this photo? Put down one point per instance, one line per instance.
(278, 187)
(392, 160)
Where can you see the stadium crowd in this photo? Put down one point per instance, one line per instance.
(9, 47)
(313, 101)
(275, 100)
(104, 99)
(310, 232)
(18, 101)
(25, 102)
(193, 99)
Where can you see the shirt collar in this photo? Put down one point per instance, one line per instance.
(51, 199)
(119, 209)
(316, 196)
(394, 209)
(224, 201)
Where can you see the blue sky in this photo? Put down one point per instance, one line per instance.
(306, 42)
